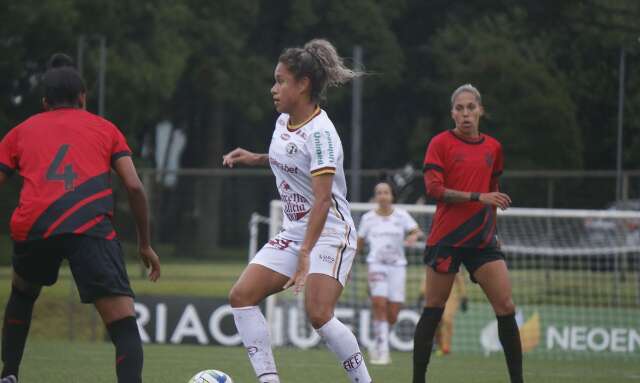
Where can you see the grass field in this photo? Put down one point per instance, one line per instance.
(59, 315)
(79, 362)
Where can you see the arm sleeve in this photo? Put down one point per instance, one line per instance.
(8, 154)
(410, 224)
(434, 170)
(498, 166)
(363, 228)
(119, 147)
(323, 145)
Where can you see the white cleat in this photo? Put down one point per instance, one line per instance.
(381, 359)
(9, 379)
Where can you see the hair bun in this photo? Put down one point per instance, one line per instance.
(59, 60)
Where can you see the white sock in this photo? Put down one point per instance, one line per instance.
(381, 334)
(344, 344)
(252, 327)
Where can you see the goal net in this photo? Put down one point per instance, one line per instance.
(575, 277)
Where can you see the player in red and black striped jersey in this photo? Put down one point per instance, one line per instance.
(65, 156)
(461, 169)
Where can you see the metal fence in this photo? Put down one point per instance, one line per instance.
(204, 210)
(203, 213)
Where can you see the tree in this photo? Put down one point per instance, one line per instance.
(528, 108)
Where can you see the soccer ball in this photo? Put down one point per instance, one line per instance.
(211, 376)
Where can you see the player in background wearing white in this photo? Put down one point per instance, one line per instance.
(386, 230)
(315, 250)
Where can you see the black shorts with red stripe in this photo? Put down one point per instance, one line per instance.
(97, 264)
(447, 259)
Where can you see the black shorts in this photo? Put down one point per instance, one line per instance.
(447, 259)
(97, 264)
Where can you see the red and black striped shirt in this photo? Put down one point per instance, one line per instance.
(469, 166)
(65, 158)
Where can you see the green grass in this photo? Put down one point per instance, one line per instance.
(59, 314)
(93, 362)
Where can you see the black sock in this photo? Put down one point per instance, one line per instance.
(510, 339)
(17, 320)
(423, 341)
(125, 336)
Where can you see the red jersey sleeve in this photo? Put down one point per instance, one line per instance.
(498, 164)
(119, 147)
(434, 170)
(8, 153)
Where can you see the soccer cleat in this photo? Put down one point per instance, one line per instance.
(373, 354)
(382, 359)
(9, 379)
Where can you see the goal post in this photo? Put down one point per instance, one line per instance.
(575, 277)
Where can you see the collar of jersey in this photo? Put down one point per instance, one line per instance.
(293, 128)
(385, 216)
(478, 142)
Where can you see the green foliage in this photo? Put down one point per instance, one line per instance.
(548, 71)
(527, 104)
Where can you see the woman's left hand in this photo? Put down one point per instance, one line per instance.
(299, 278)
(411, 239)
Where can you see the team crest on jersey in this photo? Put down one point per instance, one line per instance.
(291, 149)
(488, 158)
(285, 136)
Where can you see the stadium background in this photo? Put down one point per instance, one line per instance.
(549, 72)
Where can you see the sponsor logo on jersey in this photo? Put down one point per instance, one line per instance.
(284, 167)
(302, 134)
(353, 362)
(291, 149)
(330, 153)
(318, 147)
(285, 136)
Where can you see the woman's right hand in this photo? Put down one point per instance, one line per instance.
(240, 156)
(501, 200)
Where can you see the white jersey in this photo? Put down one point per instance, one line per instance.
(385, 236)
(297, 155)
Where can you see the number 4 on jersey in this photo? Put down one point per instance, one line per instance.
(68, 176)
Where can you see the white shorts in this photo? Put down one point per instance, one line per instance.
(329, 256)
(387, 281)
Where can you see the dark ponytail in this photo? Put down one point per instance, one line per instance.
(62, 83)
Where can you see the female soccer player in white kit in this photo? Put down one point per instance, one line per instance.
(387, 230)
(315, 250)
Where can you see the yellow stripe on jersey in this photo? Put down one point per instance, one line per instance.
(295, 127)
(325, 170)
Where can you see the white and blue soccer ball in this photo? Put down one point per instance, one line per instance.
(211, 376)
